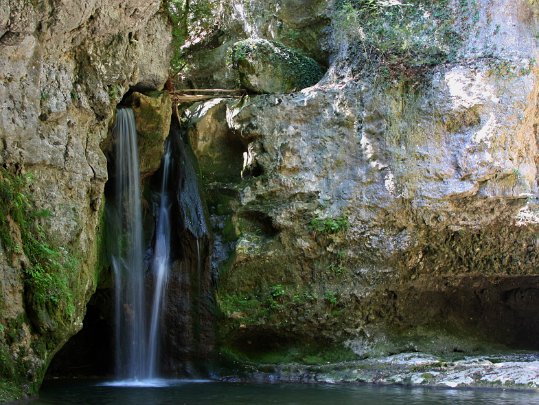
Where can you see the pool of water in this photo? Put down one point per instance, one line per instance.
(208, 392)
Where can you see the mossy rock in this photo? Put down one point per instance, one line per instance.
(10, 391)
(152, 117)
(270, 67)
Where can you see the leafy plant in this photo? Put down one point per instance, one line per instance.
(337, 268)
(48, 270)
(115, 92)
(190, 21)
(331, 298)
(329, 225)
(277, 291)
(177, 12)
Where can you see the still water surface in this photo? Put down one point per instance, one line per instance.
(217, 393)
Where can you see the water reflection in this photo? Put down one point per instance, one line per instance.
(201, 392)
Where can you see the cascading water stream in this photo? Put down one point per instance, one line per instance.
(127, 260)
(160, 264)
(139, 327)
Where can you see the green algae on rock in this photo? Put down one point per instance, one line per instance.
(270, 67)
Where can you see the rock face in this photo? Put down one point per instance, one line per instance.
(189, 318)
(385, 209)
(64, 67)
(269, 67)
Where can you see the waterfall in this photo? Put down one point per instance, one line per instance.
(127, 260)
(140, 319)
(161, 263)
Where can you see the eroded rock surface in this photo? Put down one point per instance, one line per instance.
(371, 205)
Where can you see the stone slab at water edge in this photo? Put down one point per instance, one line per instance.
(516, 371)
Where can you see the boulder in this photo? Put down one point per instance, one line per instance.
(152, 117)
(270, 67)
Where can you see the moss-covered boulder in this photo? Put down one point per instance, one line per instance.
(270, 67)
(152, 117)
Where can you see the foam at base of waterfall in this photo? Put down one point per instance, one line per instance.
(151, 383)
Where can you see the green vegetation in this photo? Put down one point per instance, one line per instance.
(115, 92)
(277, 291)
(311, 353)
(189, 20)
(275, 304)
(177, 12)
(8, 390)
(44, 96)
(277, 67)
(49, 268)
(331, 297)
(403, 39)
(254, 308)
(329, 225)
(48, 274)
(509, 70)
(12, 368)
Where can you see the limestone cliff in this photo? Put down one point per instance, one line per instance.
(63, 68)
(394, 204)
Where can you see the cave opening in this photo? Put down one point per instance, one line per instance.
(496, 311)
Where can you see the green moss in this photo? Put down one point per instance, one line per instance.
(50, 268)
(404, 39)
(115, 92)
(12, 369)
(281, 69)
(251, 309)
(10, 391)
(229, 231)
(274, 306)
(506, 69)
(258, 307)
(331, 297)
(311, 353)
(330, 225)
(48, 272)
(102, 248)
(248, 276)
(7, 366)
